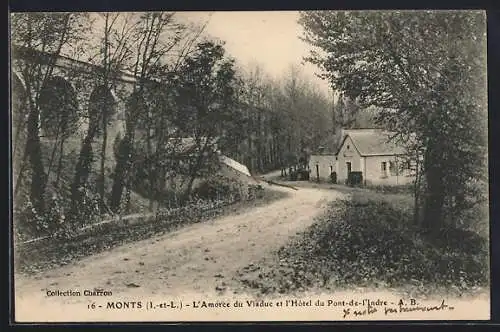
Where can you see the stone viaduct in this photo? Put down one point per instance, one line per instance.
(75, 84)
(83, 87)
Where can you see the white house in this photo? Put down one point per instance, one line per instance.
(371, 151)
(321, 165)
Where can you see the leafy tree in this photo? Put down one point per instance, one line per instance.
(284, 116)
(426, 72)
(153, 36)
(205, 100)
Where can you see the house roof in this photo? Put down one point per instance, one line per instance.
(373, 142)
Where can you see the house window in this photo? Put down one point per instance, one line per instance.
(393, 168)
(383, 168)
(331, 169)
(348, 146)
(348, 165)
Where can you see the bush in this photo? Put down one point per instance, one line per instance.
(382, 237)
(371, 243)
(255, 191)
(355, 179)
(392, 189)
(28, 222)
(221, 188)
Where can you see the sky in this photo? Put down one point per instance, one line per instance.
(269, 38)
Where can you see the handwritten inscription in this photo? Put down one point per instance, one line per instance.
(393, 308)
(349, 309)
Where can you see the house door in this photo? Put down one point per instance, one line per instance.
(348, 165)
(317, 172)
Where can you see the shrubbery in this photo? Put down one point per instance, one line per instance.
(392, 189)
(45, 254)
(30, 223)
(221, 188)
(371, 243)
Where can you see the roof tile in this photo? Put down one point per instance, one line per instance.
(372, 142)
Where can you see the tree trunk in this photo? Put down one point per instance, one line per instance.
(151, 173)
(435, 194)
(18, 127)
(416, 193)
(102, 178)
(189, 188)
(23, 166)
(59, 165)
(122, 168)
(434, 202)
(82, 171)
(34, 153)
(52, 157)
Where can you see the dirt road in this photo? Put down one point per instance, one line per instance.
(200, 258)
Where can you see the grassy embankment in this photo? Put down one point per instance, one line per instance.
(47, 254)
(54, 251)
(369, 241)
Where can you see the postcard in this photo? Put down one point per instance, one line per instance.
(249, 166)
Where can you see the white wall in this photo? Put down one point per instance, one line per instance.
(374, 174)
(371, 167)
(348, 153)
(326, 163)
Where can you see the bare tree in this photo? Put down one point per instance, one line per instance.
(113, 51)
(38, 39)
(161, 43)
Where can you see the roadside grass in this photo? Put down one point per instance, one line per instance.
(400, 198)
(48, 254)
(370, 242)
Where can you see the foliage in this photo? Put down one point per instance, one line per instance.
(48, 33)
(284, 118)
(61, 250)
(153, 35)
(348, 114)
(30, 223)
(186, 88)
(370, 243)
(220, 188)
(395, 189)
(205, 100)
